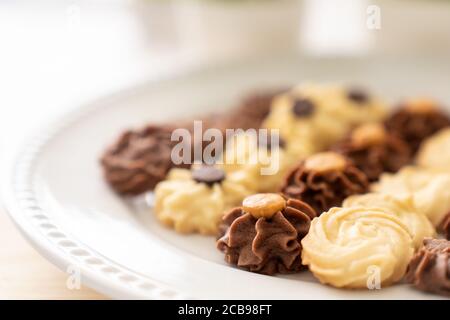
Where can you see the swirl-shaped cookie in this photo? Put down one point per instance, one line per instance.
(345, 247)
(350, 105)
(374, 151)
(417, 119)
(262, 162)
(139, 159)
(417, 223)
(324, 180)
(430, 190)
(264, 234)
(194, 201)
(435, 151)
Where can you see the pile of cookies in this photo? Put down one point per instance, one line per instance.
(358, 195)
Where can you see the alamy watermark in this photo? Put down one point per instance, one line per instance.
(373, 19)
(373, 278)
(73, 281)
(214, 146)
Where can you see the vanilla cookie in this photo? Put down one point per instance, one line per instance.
(317, 116)
(355, 247)
(429, 189)
(193, 201)
(351, 105)
(435, 151)
(417, 223)
(259, 162)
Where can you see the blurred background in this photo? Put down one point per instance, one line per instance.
(56, 54)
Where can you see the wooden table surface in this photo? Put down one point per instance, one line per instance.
(24, 274)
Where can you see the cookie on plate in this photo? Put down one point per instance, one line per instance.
(262, 161)
(324, 180)
(429, 189)
(321, 115)
(429, 269)
(193, 201)
(374, 151)
(435, 151)
(417, 119)
(264, 234)
(357, 247)
(139, 159)
(417, 223)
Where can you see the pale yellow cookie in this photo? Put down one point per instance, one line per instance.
(429, 189)
(316, 116)
(357, 248)
(257, 166)
(435, 151)
(418, 224)
(190, 206)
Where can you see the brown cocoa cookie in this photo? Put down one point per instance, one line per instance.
(324, 180)
(374, 151)
(139, 159)
(264, 234)
(415, 120)
(445, 226)
(252, 111)
(429, 269)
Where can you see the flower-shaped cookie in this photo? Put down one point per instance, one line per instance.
(139, 159)
(317, 116)
(435, 151)
(357, 247)
(429, 189)
(324, 180)
(416, 120)
(251, 111)
(195, 200)
(417, 223)
(264, 234)
(374, 151)
(429, 269)
(262, 162)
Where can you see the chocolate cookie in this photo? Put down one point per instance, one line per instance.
(374, 151)
(251, 112)
(429, 269)
(139, 159)
(324, 180)
(416, 120)
(264, 234)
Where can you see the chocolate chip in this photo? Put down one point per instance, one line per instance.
(303, 107)
(208, 174)
(358, 95)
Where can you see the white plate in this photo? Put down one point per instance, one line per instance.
(56, 195)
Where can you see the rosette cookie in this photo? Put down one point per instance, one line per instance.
(194, 200)
(262, 162)
(374, 151)
(429, 189)
(324, 180)
(435, 151)
(350, 105)
(251, 111)
(429, 269)
(139, 159)
(417, 223)
(353, 247)
(320, 115)
(264, 234)
(416, 120)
